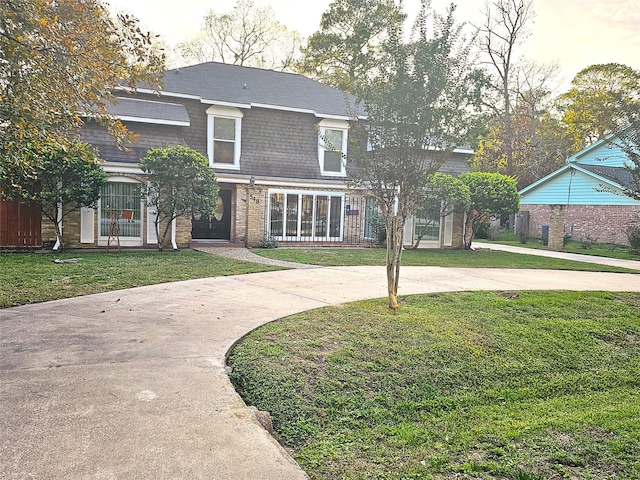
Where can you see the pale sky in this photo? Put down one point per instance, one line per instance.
(573, 33)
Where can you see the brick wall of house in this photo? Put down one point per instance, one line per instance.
(252, 214)
(604, 223)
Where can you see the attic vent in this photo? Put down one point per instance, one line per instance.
(244, 87)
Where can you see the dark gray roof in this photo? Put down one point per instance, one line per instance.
(220, 82)
(455, 164)
(149, 111)
(619, 175)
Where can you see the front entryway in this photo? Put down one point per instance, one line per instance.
(217, 227)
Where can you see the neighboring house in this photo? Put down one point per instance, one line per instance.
(585, 197)
(264, 134)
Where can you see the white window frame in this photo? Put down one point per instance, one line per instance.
(124, 241)
(330, 124)
(313, 237)
(231, 113)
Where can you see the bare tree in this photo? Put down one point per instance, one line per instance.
(247, 35)
(505, 27)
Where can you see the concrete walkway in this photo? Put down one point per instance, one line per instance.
(131, 384)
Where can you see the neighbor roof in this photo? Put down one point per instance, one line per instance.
(619, 175)
(244, 87)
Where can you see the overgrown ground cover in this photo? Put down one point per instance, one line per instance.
(505, 385)
(486, 258)
(32, 278)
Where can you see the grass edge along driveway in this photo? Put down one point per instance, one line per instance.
(33, 278)
(494, 385)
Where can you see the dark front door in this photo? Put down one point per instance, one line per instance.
(217, 226)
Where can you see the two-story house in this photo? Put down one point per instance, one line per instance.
(277, 143)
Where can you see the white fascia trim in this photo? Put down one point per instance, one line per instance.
(162, 93)
(334, 117)
(469, 151)
(157, 121)
(280, 107)
(113, 167)
(224, 104)
(284, 183)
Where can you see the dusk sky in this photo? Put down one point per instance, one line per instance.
(573, 33)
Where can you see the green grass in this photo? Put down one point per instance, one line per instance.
(610, 250)
(31, 278)
(327, 256)
(508, 385)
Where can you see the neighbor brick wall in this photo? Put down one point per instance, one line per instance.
(604, 223)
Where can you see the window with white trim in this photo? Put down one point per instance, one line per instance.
(332, 147)
(120, 212)
(312, 216)
(224, 128)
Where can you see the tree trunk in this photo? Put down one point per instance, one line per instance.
(395, 230)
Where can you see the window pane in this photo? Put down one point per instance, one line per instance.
(120, 207)
(224, 128)
(332, 162)
(292, 215)
(333, 140)
(277, 214)
(306, 224)
(370, 212)
(336, 216)
(428, 223)
(322, 205)
(223, 152)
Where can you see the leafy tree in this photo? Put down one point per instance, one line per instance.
(63, 181)
(447, 194)
(416, 105)
(247, 36)
(628, 140)
(180, 183)
(539, 147)
(59, 61)
(603, 99)
(492, 194)
(349, 42)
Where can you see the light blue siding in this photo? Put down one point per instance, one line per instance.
(602, 154)
(577, 189)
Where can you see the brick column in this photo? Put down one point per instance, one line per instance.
(255, 212)
(556, 227)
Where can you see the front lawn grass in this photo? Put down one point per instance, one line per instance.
(327, 256)
(32, 278)
(493, 385)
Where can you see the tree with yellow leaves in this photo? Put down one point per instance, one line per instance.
(59, 63)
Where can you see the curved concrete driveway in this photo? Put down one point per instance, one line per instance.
(131, 384)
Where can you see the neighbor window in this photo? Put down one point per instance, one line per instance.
(224, 126)
(332, 147)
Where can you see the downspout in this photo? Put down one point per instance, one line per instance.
(173, 234)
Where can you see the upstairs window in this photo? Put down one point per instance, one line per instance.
(332, 147)
(224, 127)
